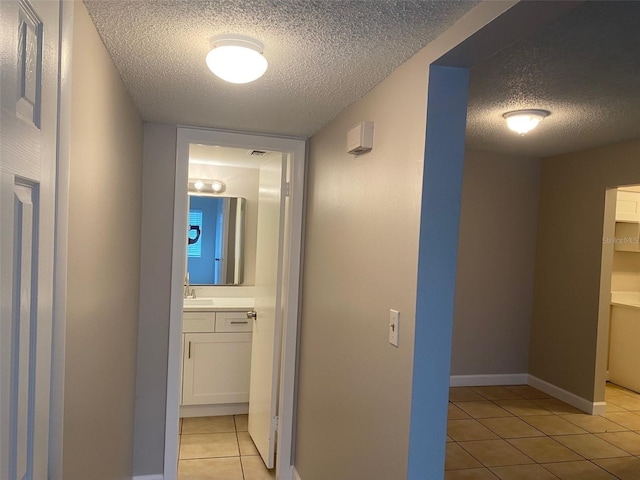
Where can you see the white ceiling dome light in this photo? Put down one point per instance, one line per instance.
(523, 121)
(236, 58)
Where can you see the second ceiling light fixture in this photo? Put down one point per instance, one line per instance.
(523, 121)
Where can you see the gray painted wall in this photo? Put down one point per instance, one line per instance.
(159, 165)
(103, 265)
(564, 335)
(496, 259)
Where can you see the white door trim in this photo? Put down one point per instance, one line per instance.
(62, 228)
(296, 148)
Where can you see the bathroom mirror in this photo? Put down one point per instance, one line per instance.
(215, 240)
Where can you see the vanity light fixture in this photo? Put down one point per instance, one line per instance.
(523, 121)
(217, 186)
(204, 187)
(236, 58)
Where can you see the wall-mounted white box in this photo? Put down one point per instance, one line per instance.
(360, 138)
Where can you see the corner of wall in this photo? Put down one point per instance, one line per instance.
(159, 163)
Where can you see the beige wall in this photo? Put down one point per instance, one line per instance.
(103, 269)
(496, 257)
(564, 333)
(361, 253)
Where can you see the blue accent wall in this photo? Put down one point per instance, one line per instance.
(201, 268)
(437, 258)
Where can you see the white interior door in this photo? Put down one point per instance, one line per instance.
(28, 148)
(267, 326)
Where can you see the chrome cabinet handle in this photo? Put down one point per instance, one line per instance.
(239, 323)
(252, 314)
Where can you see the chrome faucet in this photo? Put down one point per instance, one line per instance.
(188, 292)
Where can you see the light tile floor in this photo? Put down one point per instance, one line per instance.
(520, 433)
(219, 448)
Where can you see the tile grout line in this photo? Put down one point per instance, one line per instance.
(523, 418)
(235, 424)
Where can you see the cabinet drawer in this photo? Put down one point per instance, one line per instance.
(233, 322)
(198, 322)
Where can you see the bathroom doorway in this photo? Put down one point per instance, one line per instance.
(274, 342)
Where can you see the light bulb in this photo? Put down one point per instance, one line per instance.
(523, 121)
(198, 185)
(217, 186)
(236, 58)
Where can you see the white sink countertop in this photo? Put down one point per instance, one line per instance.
(626, 299)
(217, 304)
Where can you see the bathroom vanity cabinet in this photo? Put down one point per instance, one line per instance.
(216, 358)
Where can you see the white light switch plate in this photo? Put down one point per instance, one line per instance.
(394, 326)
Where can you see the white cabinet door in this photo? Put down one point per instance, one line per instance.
(29, 52)
(627, 206)
(216, 368)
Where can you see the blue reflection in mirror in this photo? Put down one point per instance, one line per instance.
(215, 240)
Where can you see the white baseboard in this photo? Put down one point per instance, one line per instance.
(481, 380)
(296, 475)
(213, 410)
(594, 408)
(149, 477)
(599, 408)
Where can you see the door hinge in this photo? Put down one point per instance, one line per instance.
(286, 189)
(274, 423)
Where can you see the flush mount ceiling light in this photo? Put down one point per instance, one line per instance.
(236, 58)
(523, 121)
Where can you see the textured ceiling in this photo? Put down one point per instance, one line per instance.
(323, 55)
(584, 68)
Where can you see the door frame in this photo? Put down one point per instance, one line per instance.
(295, 148)
(601, 374)
(59, 330)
